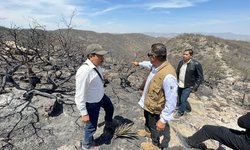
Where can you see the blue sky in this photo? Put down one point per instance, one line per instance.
(131, 16)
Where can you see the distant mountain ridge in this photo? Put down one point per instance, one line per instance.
(229, 36)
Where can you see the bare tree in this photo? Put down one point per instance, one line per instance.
(36, 62)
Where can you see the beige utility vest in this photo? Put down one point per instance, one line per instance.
(154, 99)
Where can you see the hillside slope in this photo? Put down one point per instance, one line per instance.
(45, 116)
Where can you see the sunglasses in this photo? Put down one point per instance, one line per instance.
(150, 55)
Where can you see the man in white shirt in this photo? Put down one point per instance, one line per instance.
(190, 76)
(89, 96)
(159, 96)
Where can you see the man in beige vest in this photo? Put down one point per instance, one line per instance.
(159, 97)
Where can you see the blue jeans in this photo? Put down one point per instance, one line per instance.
(183, 94)
(93, 112)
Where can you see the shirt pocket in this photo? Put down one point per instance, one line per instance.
(155, 93)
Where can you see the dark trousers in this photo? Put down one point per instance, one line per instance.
(183, 94)
(93, 112)
(237, 140)
(151, 120)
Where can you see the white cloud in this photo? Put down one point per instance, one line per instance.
(150, 6)
(170, 4)
(174, 4)
(97, 13)
(22, 13)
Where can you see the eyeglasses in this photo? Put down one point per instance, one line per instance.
(150, 55)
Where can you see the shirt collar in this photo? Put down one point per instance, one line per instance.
(90, 64)
(187, 62)
(154, 69)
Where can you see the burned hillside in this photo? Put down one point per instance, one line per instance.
(37, 84)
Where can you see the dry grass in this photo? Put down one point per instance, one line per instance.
(125, 131)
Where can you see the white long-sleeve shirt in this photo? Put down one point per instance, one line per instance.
(182, 74)
(170, 87)
(89, 86)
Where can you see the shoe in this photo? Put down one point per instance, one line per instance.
(188, 108)
(186, 144)
(91, 148)
(94, 148)
(143, 133)
(202, 146)
(184, 141)
(178, 115)
(149, 146)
